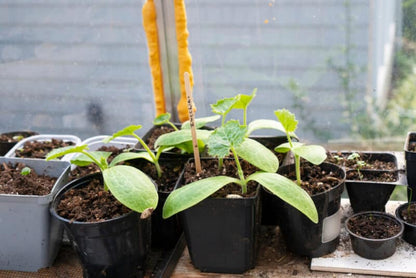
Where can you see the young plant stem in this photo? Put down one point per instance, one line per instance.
(149, 151)
(100, 165)
(240, 172)
(297, 162)
(173, 126)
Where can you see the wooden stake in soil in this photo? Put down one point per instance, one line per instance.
(192, 122)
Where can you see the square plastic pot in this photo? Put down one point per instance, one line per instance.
(6, 146)
(410, 160)
(30, 238)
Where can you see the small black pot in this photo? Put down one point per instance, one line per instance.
(410, 160)
(369, 195)
(6, 146)
(409, 234)
(301, 235)
(222, 233)
(112, 248)
(374, 249)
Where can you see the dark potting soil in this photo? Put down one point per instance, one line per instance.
(157, 131)
(372, 176)
(79, 172)
(39, 149)
(210, 169)
(13, 182)
(409, 214)
(13, 138)
(412, 146)
(341, 159)
(373, 226)
(90, 204)
(171, 170)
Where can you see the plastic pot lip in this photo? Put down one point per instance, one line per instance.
(399, 217)
(379, 213)
(71, 185)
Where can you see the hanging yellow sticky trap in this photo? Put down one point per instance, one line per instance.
(184, 57)
(150, 28)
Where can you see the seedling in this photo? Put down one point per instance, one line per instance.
(25, 171)
(164, 119)
(312, 153)
(359, 164)
(129, 185)
(232, 137)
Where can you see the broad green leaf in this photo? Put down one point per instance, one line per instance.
(201, 122)
(312, 153)
(129, 130)
(265, 124)
(223, 138)
(193, 193)
(258, 155)
(178, 137)
(187, 147)
(84, 160)
(130, 155)
(244, 100)
(287, 119)
(131, 187)
(285, 147)
(288, 191)
(65, 150)
(223, 106)
(162, 119)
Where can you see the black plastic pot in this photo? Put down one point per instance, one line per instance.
(221, 233)
(409, 234)
(301, 235)
(370, 195)
(113, 248)
(410, 160)
(374, 249)
(6, 146)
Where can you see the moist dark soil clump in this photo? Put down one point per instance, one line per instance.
(13, 182)
(210, 169)
(14, 137)
(90, 204)
(39, 149)
(314, 179)
(409, 214)
(371, 163)
(157, 131)
(373, 226)
(372, 176)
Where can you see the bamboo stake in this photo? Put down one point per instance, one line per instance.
(192, 122)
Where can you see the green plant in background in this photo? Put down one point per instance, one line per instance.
(127, 184)
(359, 164)
(164, 119)
(312, 153)
(232, 137)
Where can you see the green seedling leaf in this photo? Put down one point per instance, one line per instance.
(223, 138)
(312, 153)
(193, 193)
(131, 187)
(353, 156)
(172, 139)
(285, 147)
(162, 119)
(258, 155)
(201, 122)
(244, 100)
(84, 160)
(25, 171)
(129, 130)
(129, 156)
(287, 119)
(288, 191)
(65, 150)
(223, 106)
(264, 124)
(187, 147)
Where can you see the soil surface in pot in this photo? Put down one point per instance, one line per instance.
(372, 176)
(171, 170)
(412, 146)
(39, 149)
(79, 172)
(13, 138)
(373, 227)
(314, 179)
(341, 159)
(409, 214)
(13, 182)
(90, 204)
(210, 169)
(157, 131)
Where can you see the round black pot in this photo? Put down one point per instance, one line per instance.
(112, 248)
(409, 234)
(374, 249)
(410, 161)
(6, 146)
(369, 195)
(301, 235)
